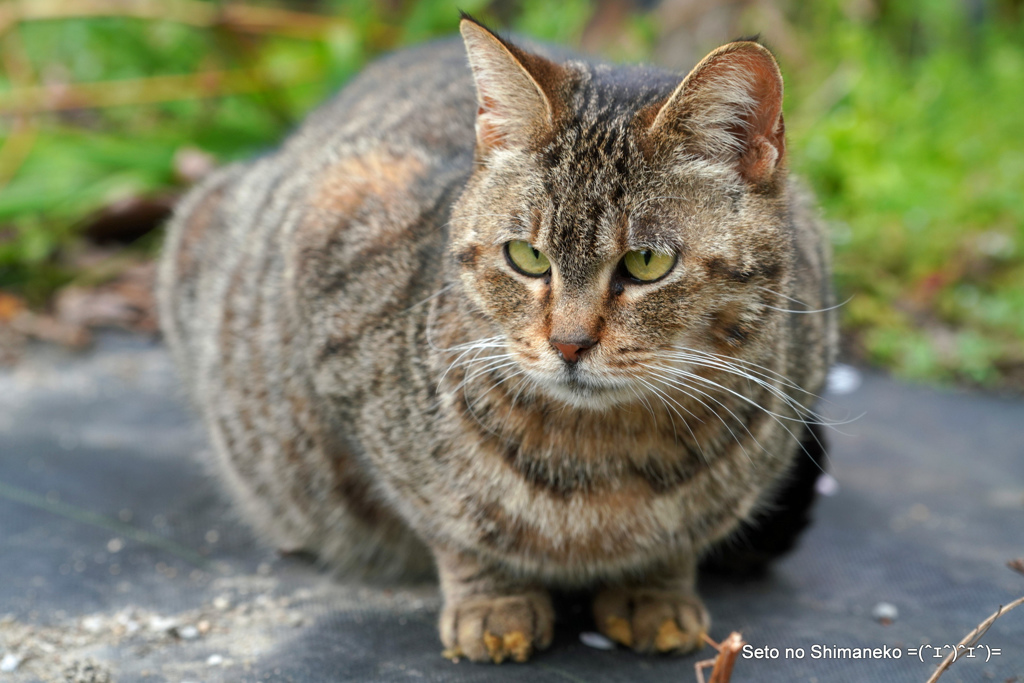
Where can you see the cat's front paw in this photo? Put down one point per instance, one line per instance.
(497, 628)
(649, 620)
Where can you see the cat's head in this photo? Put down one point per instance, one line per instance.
(620, 218)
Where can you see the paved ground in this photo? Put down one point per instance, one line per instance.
(119, 559)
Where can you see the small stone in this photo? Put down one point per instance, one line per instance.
(885, 612)
(596, 641)
(843, 379)
(188, 632)
(214, 660)
(10, 662)
(115, 545)
(93, 624)
(203, 626)
(826, 485)
(222, 602)
(161, 624)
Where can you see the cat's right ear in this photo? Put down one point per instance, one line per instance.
(515, 102)
(729, 109)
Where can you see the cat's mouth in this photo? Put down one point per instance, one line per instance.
(582, 389)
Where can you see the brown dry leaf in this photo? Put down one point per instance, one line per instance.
(10, 307)
(125, 302)
(50, 329)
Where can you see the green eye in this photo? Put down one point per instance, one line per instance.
(526, 259)
(647, 265)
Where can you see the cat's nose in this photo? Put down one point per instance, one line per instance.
(571, 350)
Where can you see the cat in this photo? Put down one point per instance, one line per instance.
(529, 322)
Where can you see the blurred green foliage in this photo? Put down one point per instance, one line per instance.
(904, 117)
(908, 126)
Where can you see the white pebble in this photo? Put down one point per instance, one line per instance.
(843, 379)
(596, 641)
(10, 662)
(885, 611)
(160, 624)
(221, 602)
(188, 632)
(827, 485)
(214, 660)
(93, 624)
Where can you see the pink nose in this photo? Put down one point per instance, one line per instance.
(571, 351)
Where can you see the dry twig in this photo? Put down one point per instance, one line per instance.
(132, 91)
(238, 17)
(723, 662)
(22, 136)
(972, 638)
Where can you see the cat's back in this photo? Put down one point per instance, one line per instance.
(358, 171)
(271, 265)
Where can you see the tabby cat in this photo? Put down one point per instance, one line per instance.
(534, 323)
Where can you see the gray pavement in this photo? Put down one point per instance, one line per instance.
(120, 560)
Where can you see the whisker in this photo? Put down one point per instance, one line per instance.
(670, 402)
(643, 400)
(423, 301)
(525, 380)
(817, 310)
(775, 416)
(472, 405)
(683, 388)
(764, 379)
(778, 394)
(802, 303)
(477, 346)
(491, 364)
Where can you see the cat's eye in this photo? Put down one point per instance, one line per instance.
(526, 259)
(647, 265)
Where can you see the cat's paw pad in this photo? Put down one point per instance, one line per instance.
(497, 628)
(652, 620)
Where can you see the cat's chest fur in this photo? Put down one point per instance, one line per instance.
(468, 457)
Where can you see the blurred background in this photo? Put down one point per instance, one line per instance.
(905, 116)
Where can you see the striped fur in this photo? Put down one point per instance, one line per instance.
(381, 387)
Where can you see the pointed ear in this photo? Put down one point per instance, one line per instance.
(514, 90)
(729, 109)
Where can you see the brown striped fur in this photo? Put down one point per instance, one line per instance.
(382, 388)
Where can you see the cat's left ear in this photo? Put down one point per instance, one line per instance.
(729, 109)
(515, 90)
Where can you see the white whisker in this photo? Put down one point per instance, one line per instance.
(432, 296)
(817, 310)
(683, 388)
